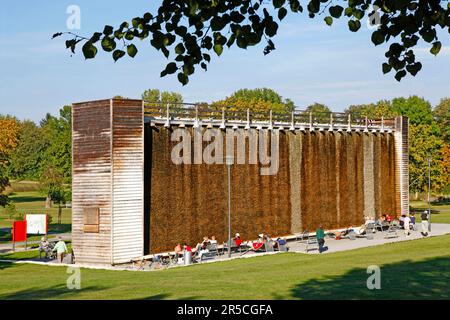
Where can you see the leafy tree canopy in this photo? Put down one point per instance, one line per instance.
(164, 97)
(186, 31)
(417, 109)
(442, 115)
(4, 182)
(57, 133)
(423, 143)
(27, 158)
(319, 112)
(377, 110)
(257, 100)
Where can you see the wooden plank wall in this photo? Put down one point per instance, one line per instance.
(402, 163)
(91, 179)
(128, 180)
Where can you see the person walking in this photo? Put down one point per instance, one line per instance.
(406, 224)
(425, 217)
(61, 249)
(320, 235)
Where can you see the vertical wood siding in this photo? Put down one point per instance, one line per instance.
(91, 179)
(128, 180)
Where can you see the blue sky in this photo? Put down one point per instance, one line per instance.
(312, 63)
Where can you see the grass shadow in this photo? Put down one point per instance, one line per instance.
(25, 199)
(59, 228)
(54, 292)
(428, 279)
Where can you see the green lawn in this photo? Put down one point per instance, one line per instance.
(416, 269)
(34, 202)
(440, 212)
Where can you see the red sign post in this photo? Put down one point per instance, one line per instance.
(19, 232)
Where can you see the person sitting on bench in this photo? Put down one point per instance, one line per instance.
(237, 240)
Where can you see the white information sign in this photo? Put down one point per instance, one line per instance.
(36, 223)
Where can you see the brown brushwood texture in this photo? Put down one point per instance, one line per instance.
(190, 201)
(332, 180)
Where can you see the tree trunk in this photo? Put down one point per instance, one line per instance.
(59, 213)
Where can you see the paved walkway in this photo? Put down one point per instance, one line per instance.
(438, 229)
(294, 246)
(7, 247)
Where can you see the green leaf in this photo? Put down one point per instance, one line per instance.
(218, 49)
(271, 29)
(89, 50)
(132, 50)
(386, 68)
(95, 37)
(328, 20)
(377, 37)
(179, 48)
(282, 13)
(414, 68)
(108, 44)
(183, 78)
(358, 14)
(171, 68)
(336, 11)
(118, 54)
(354, 25)
(108, 30)
(399, 75)
(436, 48)
(278, 3)
(295, 6)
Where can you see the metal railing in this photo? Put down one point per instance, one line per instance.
(191, 113)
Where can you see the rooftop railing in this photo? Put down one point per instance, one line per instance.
(189, 114)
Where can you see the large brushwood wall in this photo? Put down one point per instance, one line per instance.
(324, 178)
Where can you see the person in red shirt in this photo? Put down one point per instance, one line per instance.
(187, 248)
(237, 239)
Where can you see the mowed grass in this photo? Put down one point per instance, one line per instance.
(416, 269)
(440, 211)
(27, 202)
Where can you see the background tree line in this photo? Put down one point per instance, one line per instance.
(42, 152)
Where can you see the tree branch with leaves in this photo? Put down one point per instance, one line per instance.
(186, 31)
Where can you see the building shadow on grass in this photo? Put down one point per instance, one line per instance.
(428, 279)
(166, 296)
(54, 292)
(27, 199)
(59, 228)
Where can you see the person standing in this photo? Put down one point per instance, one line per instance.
(320, 235)
(406, 224)
(425, 217)
(61, 249)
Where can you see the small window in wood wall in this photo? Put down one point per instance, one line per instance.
(91, 220)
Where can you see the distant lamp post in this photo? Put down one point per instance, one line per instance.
(229, 162)
(429, 193)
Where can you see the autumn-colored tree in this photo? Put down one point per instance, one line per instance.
(9, 132)
(446, 168)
